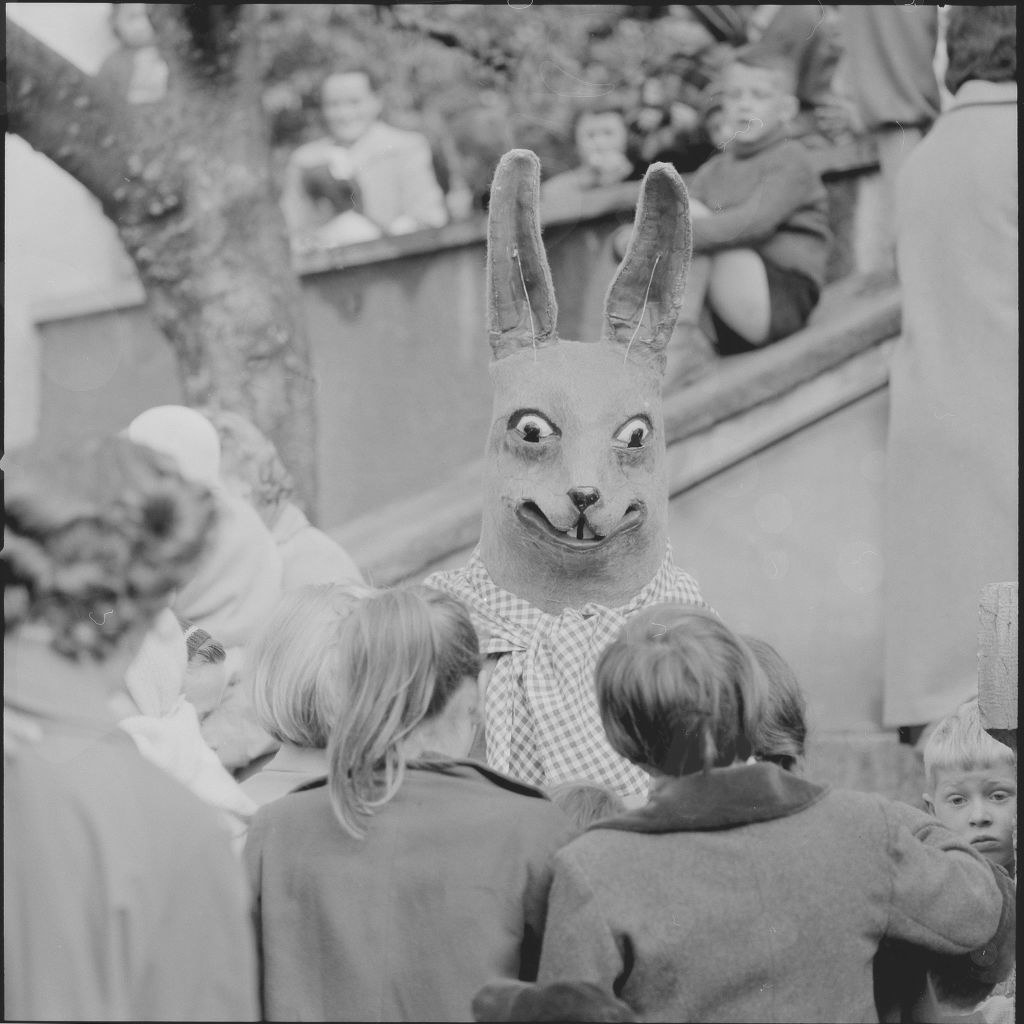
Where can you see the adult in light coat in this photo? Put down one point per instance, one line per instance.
(951, 491)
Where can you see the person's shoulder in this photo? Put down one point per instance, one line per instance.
(504, 797)
(866, 811)
(788, 151)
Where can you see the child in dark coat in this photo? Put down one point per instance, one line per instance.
(418, 876)
(760, 225)
(741, 891)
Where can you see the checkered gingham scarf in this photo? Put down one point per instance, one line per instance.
(542, 721)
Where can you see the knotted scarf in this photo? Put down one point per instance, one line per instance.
(542, 721)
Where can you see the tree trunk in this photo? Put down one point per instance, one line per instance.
(187, 183)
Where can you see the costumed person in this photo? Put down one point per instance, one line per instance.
(574, 537)
(122, 899)
(951, 492)
(237, 582)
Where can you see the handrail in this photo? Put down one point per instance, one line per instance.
(844, 159)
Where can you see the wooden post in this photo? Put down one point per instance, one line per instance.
(997, 661)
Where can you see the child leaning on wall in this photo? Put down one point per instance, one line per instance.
(760, 226)
(725, 849)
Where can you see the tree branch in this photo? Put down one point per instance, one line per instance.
(61, 112)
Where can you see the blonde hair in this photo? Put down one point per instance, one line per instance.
(678, 691)
(781, 734)
(960, 743)
(292, 666)
(403, 654)
(585, 802)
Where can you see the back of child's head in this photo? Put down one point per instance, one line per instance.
(778, 66)
(959, 743)
(981, 43)
(585, 802)
(292, 666)
(507, 1000)
(403, 654)
(679, 691)
(781, 734)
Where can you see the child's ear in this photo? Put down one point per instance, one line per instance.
(644, 298)
(929, 803)
(521, 308)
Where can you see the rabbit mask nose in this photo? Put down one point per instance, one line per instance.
(583, 497)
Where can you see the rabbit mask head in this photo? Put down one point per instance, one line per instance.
(576, 499)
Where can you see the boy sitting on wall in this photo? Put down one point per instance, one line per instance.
(760, 225)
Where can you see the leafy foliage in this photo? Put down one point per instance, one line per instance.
(478, 79)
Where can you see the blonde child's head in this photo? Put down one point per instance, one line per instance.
(972, 783)
(679, 692)
(585, 802)
(293, 664)
(758, 93)
(781, 734)
(409, 660)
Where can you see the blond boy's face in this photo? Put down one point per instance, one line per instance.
(979, 805)
(754, 102)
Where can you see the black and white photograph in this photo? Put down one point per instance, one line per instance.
(510, 512)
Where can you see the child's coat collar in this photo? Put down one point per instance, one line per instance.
(721, 798)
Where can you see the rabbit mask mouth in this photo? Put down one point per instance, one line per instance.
(581, 536)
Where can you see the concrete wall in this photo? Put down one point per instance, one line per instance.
(399, 350)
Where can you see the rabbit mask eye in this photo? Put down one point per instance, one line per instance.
(634, 432)
(531, 426)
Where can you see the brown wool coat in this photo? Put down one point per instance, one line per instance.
(752, 895)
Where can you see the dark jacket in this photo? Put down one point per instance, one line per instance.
(447, 891)
(766, 196)
(751, 894)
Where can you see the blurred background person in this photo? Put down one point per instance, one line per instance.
(364, 178)
(888, 74)
(952, 461)
(122, 899)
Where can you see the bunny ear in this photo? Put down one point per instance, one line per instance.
(644, 298)
(521, 309)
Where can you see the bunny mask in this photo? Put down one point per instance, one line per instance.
(576, 499)
(574, 535)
